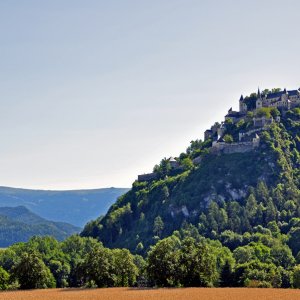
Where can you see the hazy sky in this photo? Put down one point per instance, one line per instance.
(93, 93)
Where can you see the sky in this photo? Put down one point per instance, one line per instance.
(93, 93)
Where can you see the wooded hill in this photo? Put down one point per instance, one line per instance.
(18, 224)
(205, 219)
(226, 197)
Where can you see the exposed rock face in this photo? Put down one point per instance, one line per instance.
(185, 211)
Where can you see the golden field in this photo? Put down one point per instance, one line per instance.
(148, 294)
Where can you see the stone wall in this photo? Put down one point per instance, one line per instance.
(250, 132)
(147, 177)
(241, 147)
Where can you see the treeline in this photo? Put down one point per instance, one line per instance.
(43, 262)
(258, 259)
(185, 259)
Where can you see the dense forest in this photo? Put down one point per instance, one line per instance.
(184, 259)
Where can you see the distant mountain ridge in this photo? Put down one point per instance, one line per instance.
(18, 224)
(76, 207)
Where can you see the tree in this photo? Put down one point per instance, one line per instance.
(274, 112)
(163, 168)
(124, 268)
(4, 279)
(228, 138)
(273, 227)
(243, 254)
(231, 239)
(32, 273)
(286, 277)
(251, 208)
(61, 272)
(98, 267)
(8, 258)
(282, 255)
(256, 273)
(187, 163)
(276, 90)
(261, 252)
(262, 193)
(234, 213)
(158, 226)
(263, 112)
(162, 262)
(226, 276)
(212, 216)
(139, 247)
(197, 264)
(141, 266)
(271, 211)
(77, 248)
(294, 240)
(296, 277)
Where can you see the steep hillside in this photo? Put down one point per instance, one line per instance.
(18, 224)
(219, 187)
(75, 207)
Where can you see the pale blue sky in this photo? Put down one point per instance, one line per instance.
(93, 93)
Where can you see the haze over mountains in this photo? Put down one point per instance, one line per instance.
(76, 207)
(19, 224)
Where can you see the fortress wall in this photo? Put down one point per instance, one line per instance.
(147, 177)
(238, 148)
(234, 147)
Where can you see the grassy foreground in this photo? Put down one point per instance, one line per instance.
(166, 294)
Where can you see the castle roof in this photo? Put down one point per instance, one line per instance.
(234, 114)
(275, 95)
(293, 93)
(242, 98)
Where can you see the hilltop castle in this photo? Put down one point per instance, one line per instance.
(279, 99)
(248, 140)
(282, 100)
(240, 132)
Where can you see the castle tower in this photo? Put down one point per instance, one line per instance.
(243, 106)
(259, 102)
(258, 94)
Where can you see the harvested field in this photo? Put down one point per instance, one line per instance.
(148, 294)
